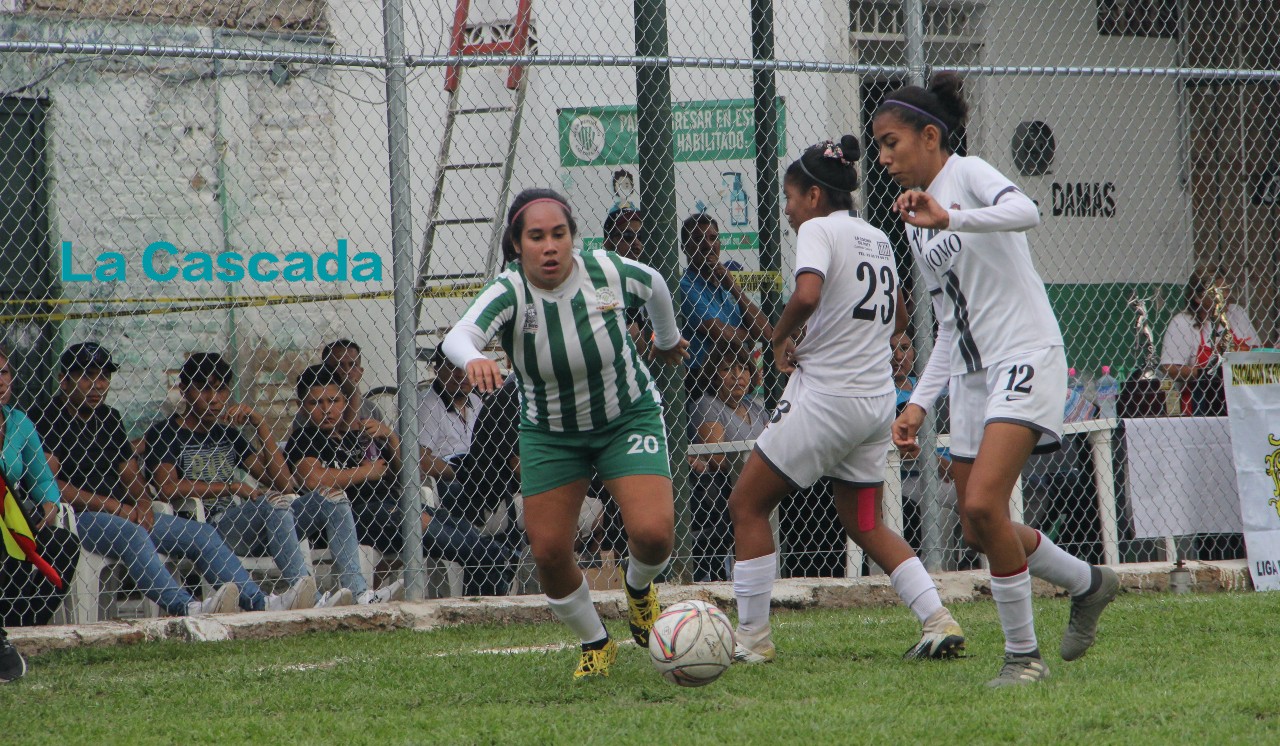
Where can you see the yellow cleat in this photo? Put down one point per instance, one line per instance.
(641, 612)
(595, 663)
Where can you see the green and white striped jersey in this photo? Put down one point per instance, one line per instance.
(576, 363)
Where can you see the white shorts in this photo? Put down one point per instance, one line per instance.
(812, 435)
(1029, 389)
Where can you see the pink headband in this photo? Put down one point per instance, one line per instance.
(532, 202)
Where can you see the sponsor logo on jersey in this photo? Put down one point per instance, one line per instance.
(606, 300)
(939, 253)
(530, 320)
(884, 249)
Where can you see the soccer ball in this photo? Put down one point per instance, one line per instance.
(691, 644)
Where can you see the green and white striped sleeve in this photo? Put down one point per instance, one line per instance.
(648, 287)
(491, 309)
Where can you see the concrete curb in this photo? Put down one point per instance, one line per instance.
(796, 593)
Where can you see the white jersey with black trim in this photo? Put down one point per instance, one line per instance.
(993, 299)
(846, 345)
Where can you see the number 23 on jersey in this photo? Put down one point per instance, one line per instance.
(876, 305)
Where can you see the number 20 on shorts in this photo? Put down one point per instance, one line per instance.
(642, 443)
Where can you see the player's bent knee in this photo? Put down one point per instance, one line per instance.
(972, 542)
(654, 544)
(553, 556)
(745, 508)
(980, 514)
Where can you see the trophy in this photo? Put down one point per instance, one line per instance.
(1146, 339)
(1222, 340)
(1142, 394)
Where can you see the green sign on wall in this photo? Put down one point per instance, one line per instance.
(702, 130)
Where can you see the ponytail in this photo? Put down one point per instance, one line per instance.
(942, 106)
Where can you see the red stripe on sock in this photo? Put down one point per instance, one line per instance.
(1039, 536)
(1009, 575)
(866, 508)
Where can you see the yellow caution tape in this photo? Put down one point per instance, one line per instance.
(749, 281)
(754, 282)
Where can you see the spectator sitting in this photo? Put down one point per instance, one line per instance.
(714, 307)
(27, 595)
(97, 471)
(447, 413)
(195, 455)
(343, 357)
(904, 362)
(724, 413)
(490, 471)
(327, 452)
(1189, 344)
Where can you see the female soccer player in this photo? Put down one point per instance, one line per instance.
(999, 345)
(587, 402)
(835, 414)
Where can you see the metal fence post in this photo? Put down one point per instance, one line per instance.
(658, 203)
(932, 548)
(766, 140)
(403, 278)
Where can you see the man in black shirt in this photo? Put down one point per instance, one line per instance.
(97, 472)
(362, 461)
(196, 455)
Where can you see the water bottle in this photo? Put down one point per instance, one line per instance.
(1077, 407)
(1108, 393)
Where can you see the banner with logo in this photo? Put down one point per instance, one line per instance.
(714, 152)
(1253, 408)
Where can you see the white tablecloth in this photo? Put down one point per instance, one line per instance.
(1181, 476)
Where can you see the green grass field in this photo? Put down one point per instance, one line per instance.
(1167, 669)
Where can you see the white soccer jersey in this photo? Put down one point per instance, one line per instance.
(846, 349)
(993, 298)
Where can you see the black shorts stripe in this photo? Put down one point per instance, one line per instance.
(855, 485)
(968, 347)
(1050, 447)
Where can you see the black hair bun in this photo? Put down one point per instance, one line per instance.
(948, 87)
(852, 150)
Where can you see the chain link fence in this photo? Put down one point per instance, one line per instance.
(222, 198)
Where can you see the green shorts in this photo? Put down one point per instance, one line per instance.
(635, 443)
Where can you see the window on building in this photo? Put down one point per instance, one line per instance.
(1158, 18)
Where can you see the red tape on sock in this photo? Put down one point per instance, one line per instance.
(866, 508)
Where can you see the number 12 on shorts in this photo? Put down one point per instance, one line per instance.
(1020, 379)
(642, 443)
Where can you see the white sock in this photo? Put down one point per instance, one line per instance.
(1013, 604)
(916, 588)
(579, 614)
(753, 588)
(1052, 563)
(640, 575)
